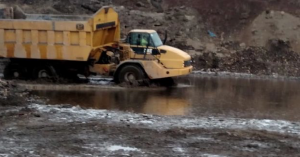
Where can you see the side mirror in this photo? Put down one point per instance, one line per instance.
(155, 52)
(166, 37)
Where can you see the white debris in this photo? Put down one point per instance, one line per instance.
(147, 122)
(117, 148)
(77, 114)
(179, 149)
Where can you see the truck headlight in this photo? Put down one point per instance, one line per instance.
(187, 63)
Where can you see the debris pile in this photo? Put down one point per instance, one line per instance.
(273, 25)
(277, 59)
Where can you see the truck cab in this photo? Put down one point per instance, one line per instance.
(146, 51)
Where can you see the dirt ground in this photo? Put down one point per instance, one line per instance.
(39, 130)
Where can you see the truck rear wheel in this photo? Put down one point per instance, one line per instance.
(44, 72)
(14, 71)
(131, 74)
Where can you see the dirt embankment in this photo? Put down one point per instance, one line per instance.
(206, 28)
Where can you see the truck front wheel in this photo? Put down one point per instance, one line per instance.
(131, 74)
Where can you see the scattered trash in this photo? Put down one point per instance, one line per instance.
(211, 34)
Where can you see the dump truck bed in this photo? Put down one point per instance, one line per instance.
(57, 37)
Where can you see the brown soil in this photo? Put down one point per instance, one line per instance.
(278, 60)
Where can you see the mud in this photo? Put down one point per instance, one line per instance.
(250, 117)
(70, 131)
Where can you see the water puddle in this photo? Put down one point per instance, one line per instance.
(195, 96)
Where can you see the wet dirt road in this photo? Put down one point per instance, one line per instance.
(195, 96)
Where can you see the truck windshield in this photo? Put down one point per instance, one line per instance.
(156, 39)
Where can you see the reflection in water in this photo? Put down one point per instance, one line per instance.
(207, 96)
(150, 102)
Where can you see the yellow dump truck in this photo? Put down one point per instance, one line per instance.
(51, 46)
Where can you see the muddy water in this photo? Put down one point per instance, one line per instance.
(196, 96)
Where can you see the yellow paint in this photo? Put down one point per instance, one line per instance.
(43, 51)
(57, 40)
(35, 52)
(27, 49)
(10, 50)
(3, 49)
(27, 36)
(155, 70)
(142, 31)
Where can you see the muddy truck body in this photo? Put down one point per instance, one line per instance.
(54, 46)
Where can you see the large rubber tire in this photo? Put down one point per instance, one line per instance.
(44, 72)
(131, 74)
(14, 71)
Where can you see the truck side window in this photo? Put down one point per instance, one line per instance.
(131, 39)
(139, 42)
(151, 44)
(139, 39)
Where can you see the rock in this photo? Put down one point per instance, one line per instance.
(140, 4)
(189, 18)
(70, 8)
(3, 83)
(243, 45)
(157, 4)
(210, 47)
(254, 31)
